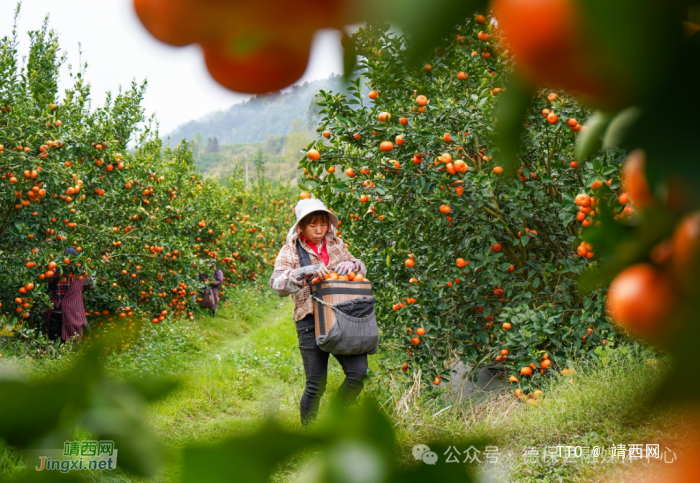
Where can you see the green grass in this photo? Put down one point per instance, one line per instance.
(244, 363)
(601, 405)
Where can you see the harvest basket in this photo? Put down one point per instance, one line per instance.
(333, 292)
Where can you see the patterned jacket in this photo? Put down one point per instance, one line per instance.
(285, 282)
(72, 308)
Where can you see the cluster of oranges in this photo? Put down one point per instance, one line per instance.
(586, 208)
(402, 304)
(334, 276)
(585, 249)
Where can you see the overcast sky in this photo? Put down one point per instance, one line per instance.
(118, 49)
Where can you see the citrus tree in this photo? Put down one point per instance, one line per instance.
(466, 261)
(145, 224)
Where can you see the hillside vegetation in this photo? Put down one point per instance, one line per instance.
(267, 129)
(278, 156)
(262, 116)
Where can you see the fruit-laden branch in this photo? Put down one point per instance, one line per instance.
(541, 228)
(506, 247)
(523, 251)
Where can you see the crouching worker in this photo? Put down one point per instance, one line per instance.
(315, 232)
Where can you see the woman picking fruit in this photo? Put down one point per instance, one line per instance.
(315, 232)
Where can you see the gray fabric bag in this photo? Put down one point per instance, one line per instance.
(355, 330)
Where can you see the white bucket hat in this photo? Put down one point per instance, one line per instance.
(303, 208)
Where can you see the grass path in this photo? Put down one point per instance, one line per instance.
(248, 366)
(244, 363)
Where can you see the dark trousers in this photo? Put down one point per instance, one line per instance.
(56, 326)
(316, 370)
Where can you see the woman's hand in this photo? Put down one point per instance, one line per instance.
(322, 271)
(309, 270)
(345, 267)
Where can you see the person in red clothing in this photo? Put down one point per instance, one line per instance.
(66, 317)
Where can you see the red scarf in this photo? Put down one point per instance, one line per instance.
(322, 254)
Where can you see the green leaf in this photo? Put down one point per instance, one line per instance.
(591, 139)
(620, 125)
(511, 113)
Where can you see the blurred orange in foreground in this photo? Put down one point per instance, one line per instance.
(679, 465)
(253, 47)
(549, 46)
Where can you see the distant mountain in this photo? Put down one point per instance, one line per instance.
(253, 121)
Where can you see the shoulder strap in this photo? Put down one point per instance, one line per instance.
(304, 257)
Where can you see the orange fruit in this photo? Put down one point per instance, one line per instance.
(498, 170)
(635, 180)
(373, 94)
(461, 262)
(642, 298)
(358, 278)
(305, 195)
(420, 331)
(422, 101)
(546, 33)
(526, 371)
(415, 340)
(386, 146)
(269, 66)
(507, 326)
(313, 155)
(444, 209)
(409, 263)
(685, 250)
(582, 199)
